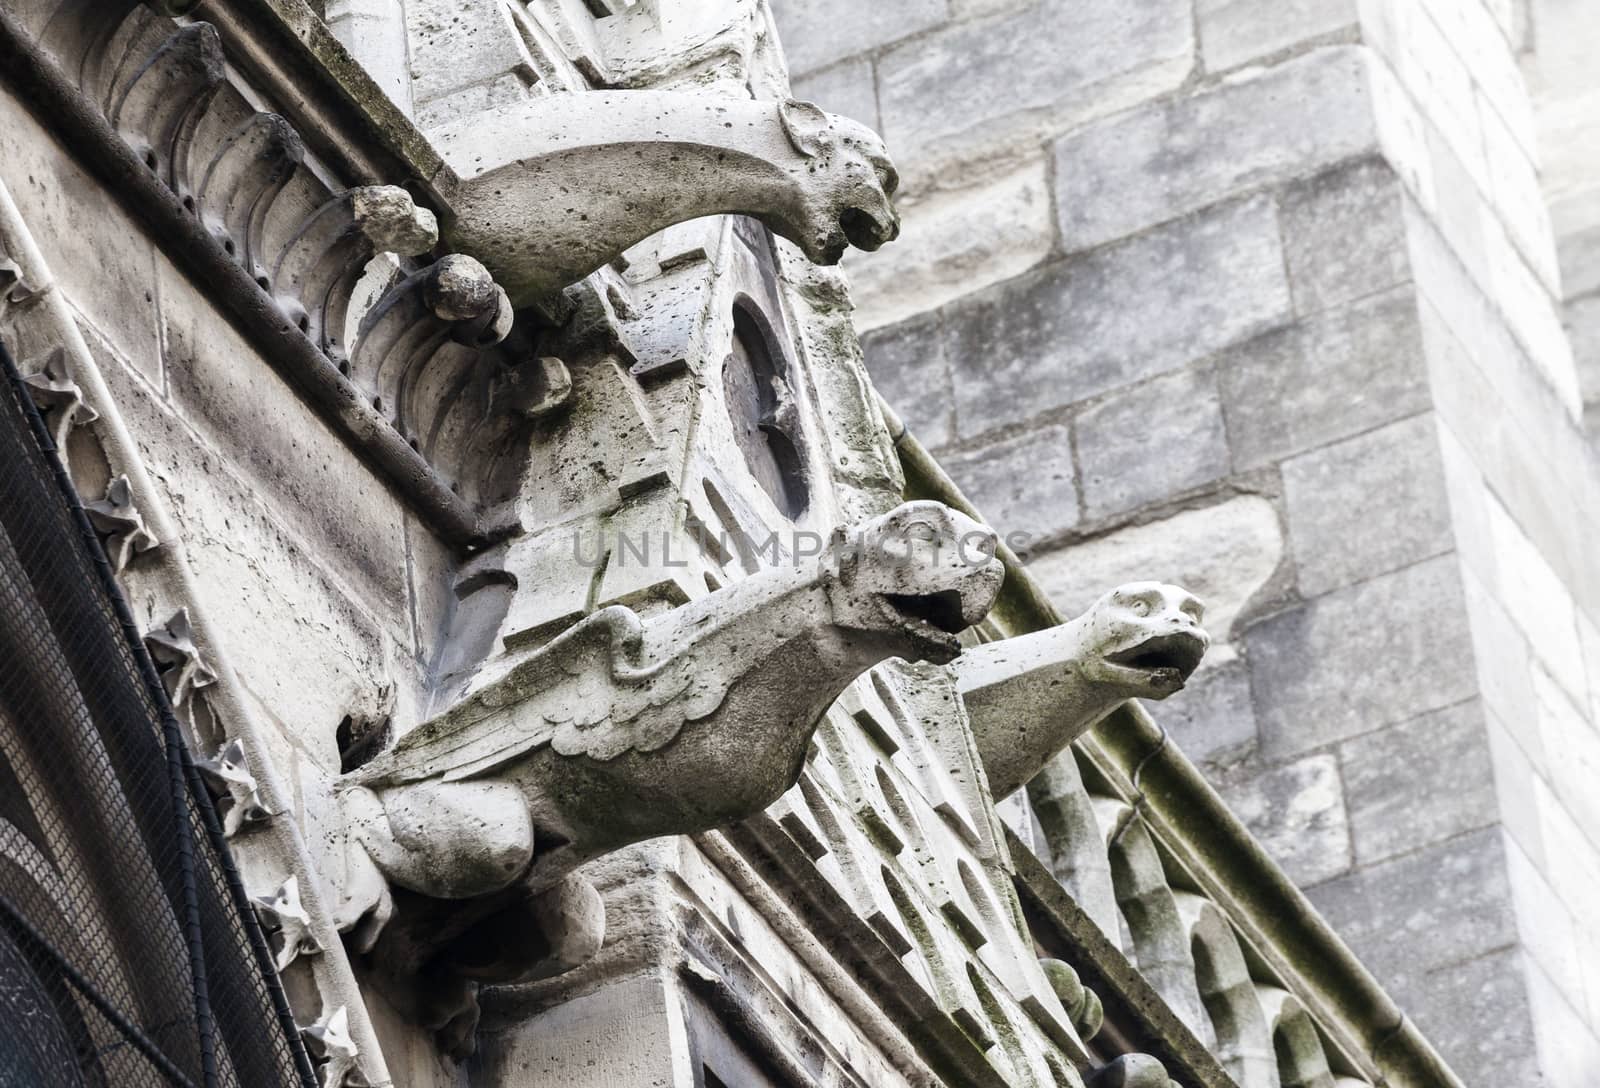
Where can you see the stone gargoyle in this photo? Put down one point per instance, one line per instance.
(552, 188)
(1029, 697)
(466, 832)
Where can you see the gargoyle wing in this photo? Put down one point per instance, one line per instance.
(585, 693)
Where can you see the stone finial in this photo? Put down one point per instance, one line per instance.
(58, 398)
(227, 775)
(284, 916)
(120, 525)
(328, 1039)
(1131, 1071)
(1081, 1004)
(172, 648)
(1031, 696)
(557, 186)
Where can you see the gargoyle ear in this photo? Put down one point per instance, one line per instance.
(805, 124)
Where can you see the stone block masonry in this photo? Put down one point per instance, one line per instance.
(1287, 327)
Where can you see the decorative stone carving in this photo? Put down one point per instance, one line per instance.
(622, 729)
(307, 242)
(316, 271)
(1031, 696)
(1131, 1071)
(328, 1039)
(283, 916)
(120, 525)
(1082, 1005)
(173, 650)
(557, 186)
(227, 775)
(58, 398)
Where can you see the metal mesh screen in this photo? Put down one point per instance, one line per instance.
(129, 955)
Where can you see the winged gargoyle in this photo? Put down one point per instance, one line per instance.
(623, 729)
(1029, 697)
(553, 187)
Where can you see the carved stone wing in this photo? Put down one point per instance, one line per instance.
(584, 693)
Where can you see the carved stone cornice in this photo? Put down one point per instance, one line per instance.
(229, 192)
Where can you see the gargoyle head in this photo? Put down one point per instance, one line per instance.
(1146, 638)
(846, 185)
(917, 576)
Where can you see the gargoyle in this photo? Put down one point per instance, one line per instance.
(1029, 697)
(554, 187)
(623, 729)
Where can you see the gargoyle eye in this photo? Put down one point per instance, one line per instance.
(1139, 606)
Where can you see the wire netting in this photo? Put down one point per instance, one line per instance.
(129, 955)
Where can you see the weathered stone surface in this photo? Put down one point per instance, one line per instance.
(1548, 928)
(1500, 407)
(1426, 910)
(848, 88)
(1023, 485)
(1572, 860)
(1344, 235)
(311, 479)
(1297, 811)
(1569, 1051)
(263, 587)
(1151, 441)
(1571, 744)
(109, 273)
(455, 45)
(1497, 308)
(677, 708)
(1378, 652)
(1235, 31)
(955, 242)
(1031, 695)
(1583, 325)
(1392, 808)
(1367, 505)
(620, 1034)
(1539, 602)
(1213, 718)
(1078, 328)
(1178, 155)
(819, 180)
(818, 32)
(1477, 1014)
(1223, 553)
(1333, 375)
(908, 366)
(1008, 73)
(1517, 786)
(1504, 664)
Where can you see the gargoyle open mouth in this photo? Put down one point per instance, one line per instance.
(1176, 655)
(866, 231)
(934, 617)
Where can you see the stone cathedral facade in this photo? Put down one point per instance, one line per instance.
(1295, 304)
(598, 683)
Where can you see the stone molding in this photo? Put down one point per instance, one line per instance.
(209, 700)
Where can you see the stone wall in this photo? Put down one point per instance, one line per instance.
(331, 594)
(1265, 299)
(1556, 39)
